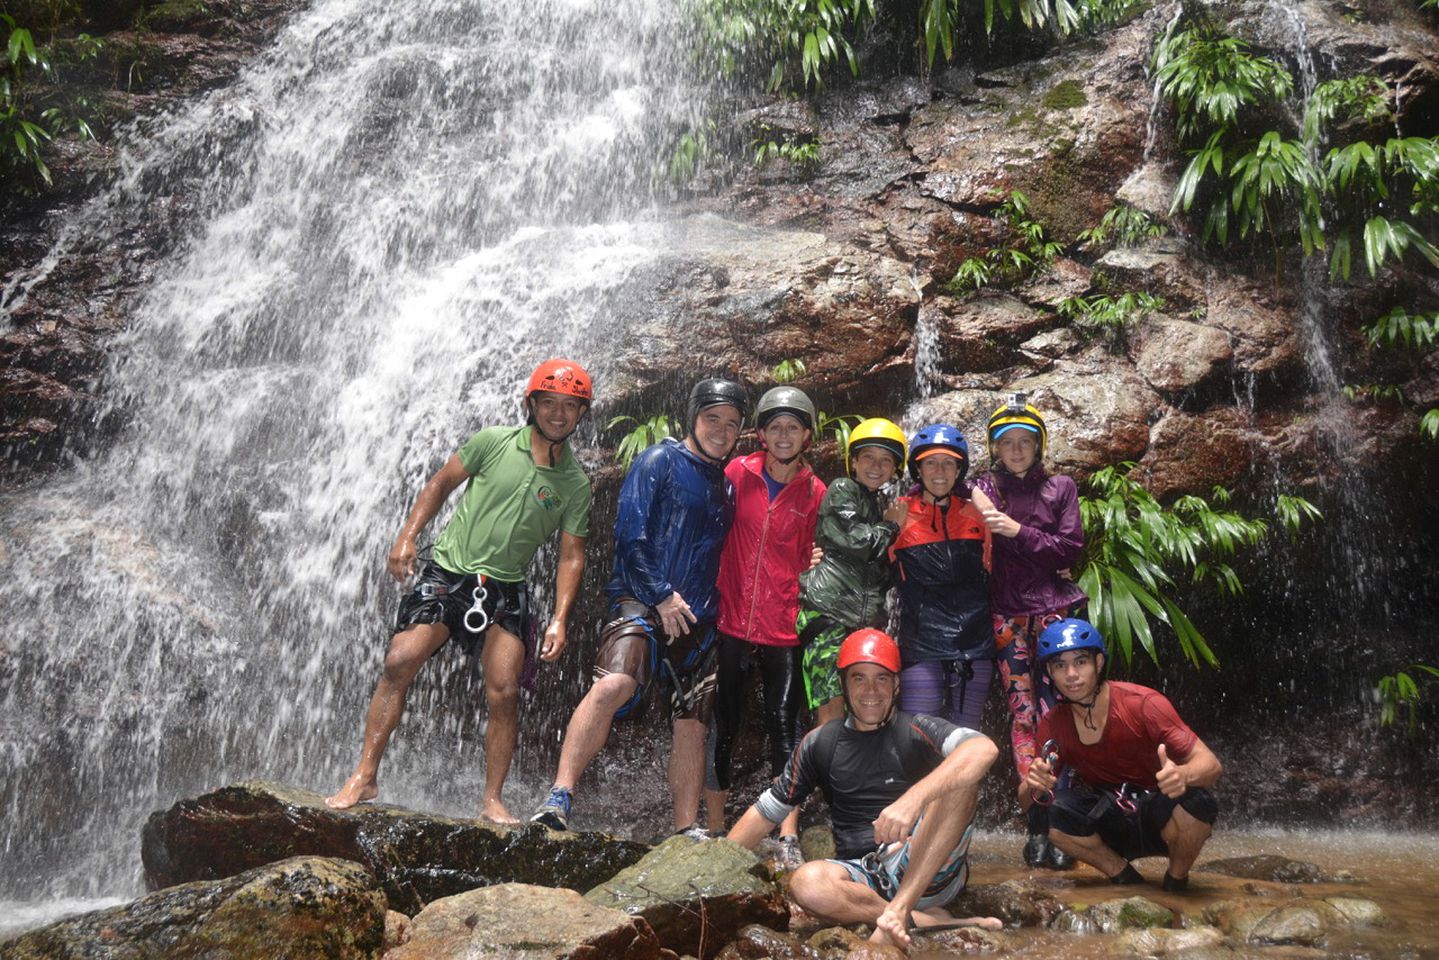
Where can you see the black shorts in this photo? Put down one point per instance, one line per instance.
(442, 596)
(1131, 834)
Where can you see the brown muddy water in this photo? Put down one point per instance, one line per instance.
(1399, 871)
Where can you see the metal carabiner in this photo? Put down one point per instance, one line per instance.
(1122, 801)
(1049, 753)
(478, 610)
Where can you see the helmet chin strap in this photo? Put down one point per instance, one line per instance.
(700, 448)
(1088, 707)
(554, 444)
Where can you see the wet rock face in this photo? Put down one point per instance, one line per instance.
(299, 907)
(696, 895)
(416, 858)
(53, 348)
(526, 923)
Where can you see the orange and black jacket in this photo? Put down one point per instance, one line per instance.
(942, 560)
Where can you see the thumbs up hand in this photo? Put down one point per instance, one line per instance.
(1171, 777)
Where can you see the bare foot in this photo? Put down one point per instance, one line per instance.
(889, 930)
(357, 789)
(983, 923)
(495, 812)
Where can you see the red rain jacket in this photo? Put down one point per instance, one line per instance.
(768, 547)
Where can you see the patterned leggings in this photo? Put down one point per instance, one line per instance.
(1028, 692)
(952, 689)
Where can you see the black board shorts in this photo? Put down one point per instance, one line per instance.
(443, 596)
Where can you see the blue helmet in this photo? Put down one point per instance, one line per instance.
(1067, 635)
(934, 438)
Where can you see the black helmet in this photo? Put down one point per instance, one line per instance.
(711, 393)
(790, 400)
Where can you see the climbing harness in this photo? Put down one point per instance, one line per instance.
(481, 619)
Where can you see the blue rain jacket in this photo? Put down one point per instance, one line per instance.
(674, 512)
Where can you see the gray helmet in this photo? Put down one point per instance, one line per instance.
(790, 400)
(712, 393)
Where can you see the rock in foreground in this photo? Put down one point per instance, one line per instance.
(521, 922)
(697, 895)
(308, 907)
(417, 858)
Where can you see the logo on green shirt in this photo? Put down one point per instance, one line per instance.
(548, 498)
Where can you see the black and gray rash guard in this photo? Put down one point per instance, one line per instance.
(861, 772)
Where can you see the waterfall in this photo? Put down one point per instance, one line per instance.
(388, 220)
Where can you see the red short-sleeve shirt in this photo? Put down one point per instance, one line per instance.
(1140, 719)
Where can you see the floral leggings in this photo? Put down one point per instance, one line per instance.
(1027, 690)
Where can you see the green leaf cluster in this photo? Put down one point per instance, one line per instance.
(1109, 316)
(640, 435)
(796, 42)
(1138, 552)
(1029, 251)
(31, 113)
(802, 152)
(787, 371)
(1381, 197)
(838, 426)
(1400, 691)
(1126, 225)
(1414, 331)
(798, 38)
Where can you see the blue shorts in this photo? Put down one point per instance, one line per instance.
(883, 871)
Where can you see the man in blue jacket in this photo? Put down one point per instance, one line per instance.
(675, 510)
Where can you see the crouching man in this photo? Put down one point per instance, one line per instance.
(1147, 773)
(902, 791)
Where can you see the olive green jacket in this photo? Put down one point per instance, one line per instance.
(851, 581)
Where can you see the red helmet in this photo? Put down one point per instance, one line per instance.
(869, 646)
(561, 376)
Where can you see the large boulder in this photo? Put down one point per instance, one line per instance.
(306, 908)
(416, 857)
(742, 298)
(1193, 451)
(523, 922)
(1177, 356)
(1066, 131)
(696, 895)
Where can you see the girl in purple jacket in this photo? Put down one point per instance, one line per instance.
(1034, 517)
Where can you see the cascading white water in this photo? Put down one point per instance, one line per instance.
(392, 217)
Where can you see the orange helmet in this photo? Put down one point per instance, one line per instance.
(869, 646)
(561, 376)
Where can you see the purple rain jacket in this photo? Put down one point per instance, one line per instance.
(1024, 577)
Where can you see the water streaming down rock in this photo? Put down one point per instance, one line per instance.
(387, 222)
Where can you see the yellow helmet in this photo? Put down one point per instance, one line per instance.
(875, 432)
(1017, 412)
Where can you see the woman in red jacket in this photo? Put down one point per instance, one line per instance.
(777, 500)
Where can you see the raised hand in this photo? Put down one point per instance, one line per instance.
(1171, 778)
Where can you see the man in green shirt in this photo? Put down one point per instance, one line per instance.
(523, 484)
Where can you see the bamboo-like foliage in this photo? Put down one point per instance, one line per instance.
(1138, 552)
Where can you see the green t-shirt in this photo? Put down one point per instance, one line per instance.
(511, 506)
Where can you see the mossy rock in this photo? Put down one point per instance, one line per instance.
(1065, 95)
(301, 907)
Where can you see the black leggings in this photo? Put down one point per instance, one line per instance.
(780, 672)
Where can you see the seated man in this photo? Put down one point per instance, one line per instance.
(1146, 772)
(902, 791)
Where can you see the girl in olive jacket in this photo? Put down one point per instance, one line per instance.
(846, 590)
